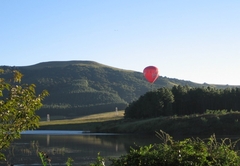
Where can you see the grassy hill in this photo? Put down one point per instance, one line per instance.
(79, 88)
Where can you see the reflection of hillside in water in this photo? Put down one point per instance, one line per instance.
(81, 148)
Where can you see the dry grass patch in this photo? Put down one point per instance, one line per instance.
(101, 117)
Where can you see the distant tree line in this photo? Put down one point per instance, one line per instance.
(183, 100)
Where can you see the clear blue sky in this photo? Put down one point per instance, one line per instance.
(196, 40)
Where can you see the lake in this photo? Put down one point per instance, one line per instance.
(82, 147)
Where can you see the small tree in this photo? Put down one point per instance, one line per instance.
(18, 104)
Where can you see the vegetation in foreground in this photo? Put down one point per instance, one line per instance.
(190, 151)
(18, 105)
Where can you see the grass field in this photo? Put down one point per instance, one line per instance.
(89, 122)
(202, 124)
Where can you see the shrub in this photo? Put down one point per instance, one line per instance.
(190, 151)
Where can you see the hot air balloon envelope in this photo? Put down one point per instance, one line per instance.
(151, 73)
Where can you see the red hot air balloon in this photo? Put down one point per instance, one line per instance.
(151, 73)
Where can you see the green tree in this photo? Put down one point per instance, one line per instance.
(165, 96)
(151, 104)
(18, 105)
(181, 99)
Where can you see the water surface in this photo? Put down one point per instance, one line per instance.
(81, 146)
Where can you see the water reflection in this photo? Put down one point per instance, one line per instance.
(82, 148)
(48, 139)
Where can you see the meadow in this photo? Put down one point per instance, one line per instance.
(211, 122)
(86, 123)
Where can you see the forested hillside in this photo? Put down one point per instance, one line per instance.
(84, 87)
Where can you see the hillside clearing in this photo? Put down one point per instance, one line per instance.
(101, 117)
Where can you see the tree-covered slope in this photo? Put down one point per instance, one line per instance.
(84, 87)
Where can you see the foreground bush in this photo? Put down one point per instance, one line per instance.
(18, 105)
(188, 152)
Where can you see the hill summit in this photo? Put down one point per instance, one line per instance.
(79, 88)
